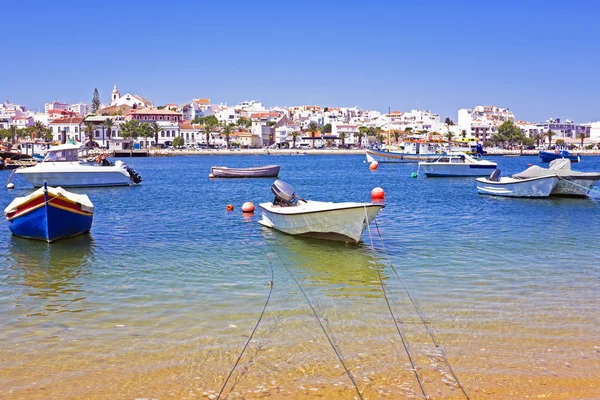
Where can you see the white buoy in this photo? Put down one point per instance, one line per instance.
(10, 186)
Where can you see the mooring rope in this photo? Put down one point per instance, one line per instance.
(578, 185)
(323, 328)
(253, 330)
(419, 313)
(402, 337)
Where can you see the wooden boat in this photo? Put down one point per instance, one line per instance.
(332, 221)
(547, 156)
(512, 187)
(268, 171)
(457, 164)
(50, 214)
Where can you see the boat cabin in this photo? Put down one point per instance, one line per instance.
(453, 159)
(63, 153)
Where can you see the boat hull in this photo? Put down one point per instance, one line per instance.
(439, 170)
(57, 219)
(573, 187)
(546, 156)
(345, 223)
(399, 157)
(509, 187)
(85, 178)
(269, 171)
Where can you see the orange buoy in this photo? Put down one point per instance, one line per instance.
(373, 166)
(248, 207)
(210, 176)
(229, 207)
(377, 193)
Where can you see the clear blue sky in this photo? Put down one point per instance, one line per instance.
(538, 58)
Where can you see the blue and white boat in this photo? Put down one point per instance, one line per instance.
(50, 214)
(547, 156)
(410, 151)
(457, 164)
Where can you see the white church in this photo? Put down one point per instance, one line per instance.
(128, 99)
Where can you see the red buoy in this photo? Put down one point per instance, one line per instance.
(373, 166)
(529, 165)
(377, 193)
(248, 207)
(229, 207)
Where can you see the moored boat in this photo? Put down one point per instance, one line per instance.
(512, 187)
(267, 171)
(571, 183)
(332, 221)
(547, 156)
(457, 164)
(413, 152)
(62, 167)
(50, 214)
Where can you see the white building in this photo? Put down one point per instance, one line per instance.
(197, 108)
(64, 129)
(80, 109)
(128, 99)
(55, 105)
(482, 122)
(349, 132)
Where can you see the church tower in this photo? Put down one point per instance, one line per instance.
(115, 95)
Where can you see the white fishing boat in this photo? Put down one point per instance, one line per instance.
(333, 221)
(410, 151)
(62, 167)
(457, 164)
(571, 183)
(268, 171)
(512, 187)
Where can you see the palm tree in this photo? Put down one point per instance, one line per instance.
(227, 133)
(582, 136)
(146, 132)
(362, 132)
(39, 129)
(108, 124)
(13, 133)
(463, 133)
(156, 130)
(397, 135)
(313, 129)
(449, 136)
(342, 136)
(549, 135)
(294, 135)
(89, 130)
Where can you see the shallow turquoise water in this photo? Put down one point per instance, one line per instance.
(167, 278)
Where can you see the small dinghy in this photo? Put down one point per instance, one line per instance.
(268, 171)
(547, 156)
(50, 214)
(511, 187)
(333, 221)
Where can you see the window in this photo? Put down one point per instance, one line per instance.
(162, 133)
(97, 134)
(160, 118)
(76, 130)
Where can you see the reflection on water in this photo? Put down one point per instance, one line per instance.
(51, 273)
(345, 269)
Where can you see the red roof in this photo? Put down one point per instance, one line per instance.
(71, 120)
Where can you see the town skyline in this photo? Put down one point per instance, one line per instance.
(536, 59)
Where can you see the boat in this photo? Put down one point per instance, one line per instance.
(511, 187)
(570, 183)
(50, 214)
(324, 220)
(268, 171)
(457, 164)
(547, 156)
(62, 167)
(408, 152)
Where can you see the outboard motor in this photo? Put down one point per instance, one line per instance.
(284, 194)
(495, 176)
(135, 177)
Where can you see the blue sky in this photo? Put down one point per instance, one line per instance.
(538, 58)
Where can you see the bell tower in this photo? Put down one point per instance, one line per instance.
(115, 95)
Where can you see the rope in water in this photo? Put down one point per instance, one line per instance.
(578, 185)
(253, 330)
(322, 328)
(402, 337)
(420, 314)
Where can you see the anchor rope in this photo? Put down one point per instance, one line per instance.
(402, 337)
(323, 329)
(578, 185)
(253, 330)
(420, 314)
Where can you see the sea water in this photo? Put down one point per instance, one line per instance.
(158, 300)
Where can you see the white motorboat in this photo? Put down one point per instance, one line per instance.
(333, 221)
(457, 164)
(62, 167)
(571, 183)
(512, 187)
